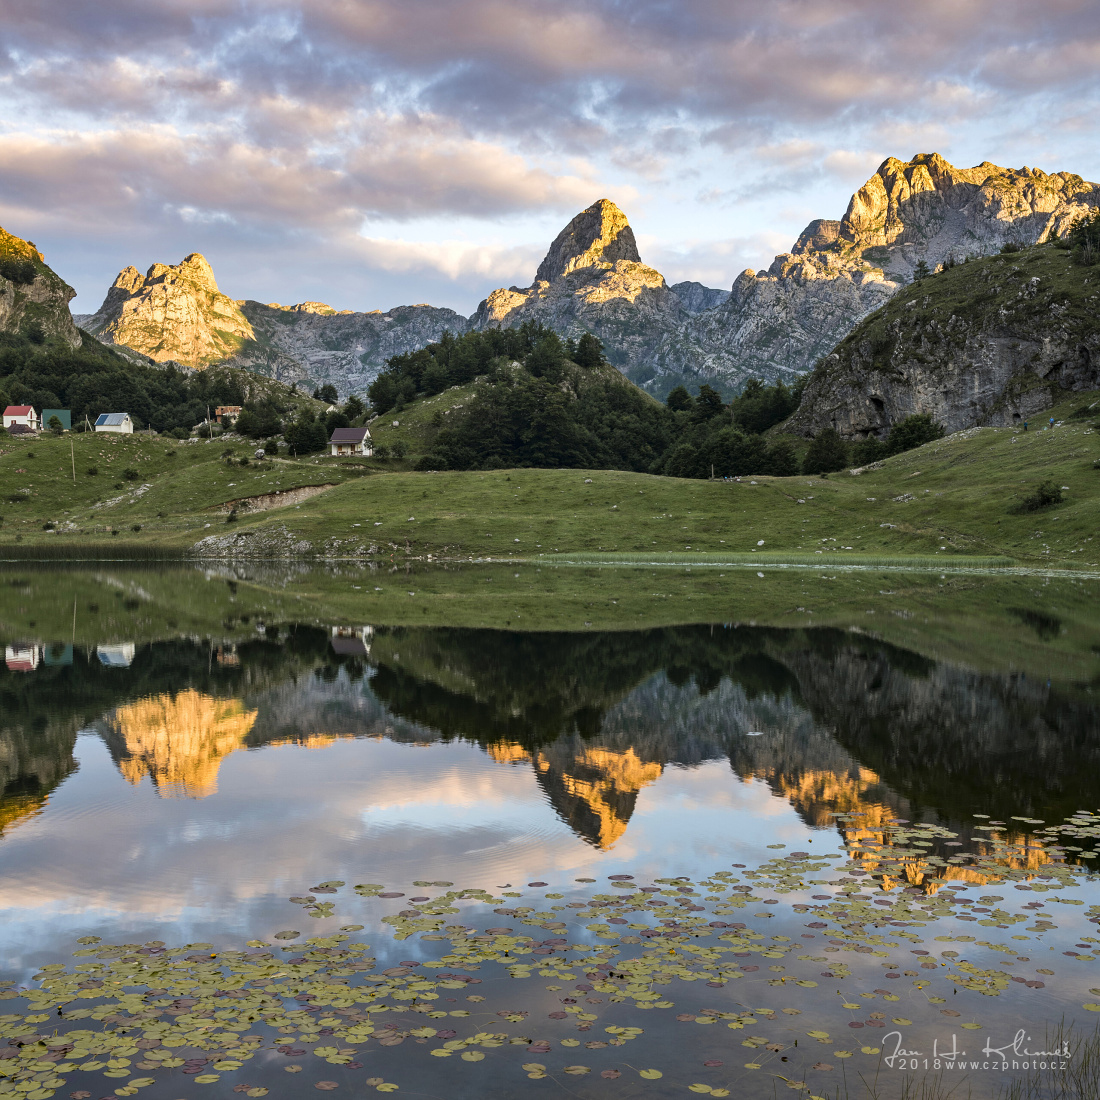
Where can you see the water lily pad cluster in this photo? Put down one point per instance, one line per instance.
(745, 974)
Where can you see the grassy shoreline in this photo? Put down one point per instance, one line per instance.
(954, 501)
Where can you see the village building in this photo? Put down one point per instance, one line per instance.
(64, 416)
(352, 441)
(21, 417)
(115, 422)
(227, 415)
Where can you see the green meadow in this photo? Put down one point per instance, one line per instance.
(954, 499)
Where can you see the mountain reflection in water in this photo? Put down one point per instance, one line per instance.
(848, 723)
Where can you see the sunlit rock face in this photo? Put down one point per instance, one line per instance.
(178, 314)
(779, 322)
(173, 312)
(43, 298)
(593, 280)
(594, 790)
(179, 741)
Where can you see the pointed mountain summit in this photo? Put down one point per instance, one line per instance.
(593, 280)
(175, 312)
(778, 323)
(600, 235)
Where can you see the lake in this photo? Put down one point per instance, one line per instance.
(499, 832)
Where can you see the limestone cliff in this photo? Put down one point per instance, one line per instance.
(316, 342)
(780, 321)
(991, 341)
(33, 299)
(593, 280)
(175, 312)
(697, 298)
(178, 314)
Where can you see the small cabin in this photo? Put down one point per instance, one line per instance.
(227, 415)
(352, 441)
(115, 422)
(64, 417)
(22, 418)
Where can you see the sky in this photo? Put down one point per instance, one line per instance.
(374, 153)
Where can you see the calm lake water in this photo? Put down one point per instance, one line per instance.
(863, 818)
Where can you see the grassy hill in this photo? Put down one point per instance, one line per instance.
(950, 500)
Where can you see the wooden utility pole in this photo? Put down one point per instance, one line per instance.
(72, 455)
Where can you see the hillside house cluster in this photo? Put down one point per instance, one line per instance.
(24, 420)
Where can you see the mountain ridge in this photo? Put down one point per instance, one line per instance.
(772, 324)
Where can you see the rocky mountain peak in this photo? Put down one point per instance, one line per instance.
(173, 312)
(32, 294)
(194, 268)
(598, 236)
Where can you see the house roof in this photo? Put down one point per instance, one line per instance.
(111, 420)
(349, 435)
(18, 410)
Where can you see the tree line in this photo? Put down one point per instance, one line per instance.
(92, 379)
(544, 402)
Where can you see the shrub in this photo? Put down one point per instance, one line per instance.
(826, 453)
(271, 448)
(399, 449)
(130, 474)
(781, 460)
(1044, 495)
(243, 460)
(913, 431)
(92, 471)
(306, 435)
(17, 271)
(381, 451)
(136, 527)
(1009, 247)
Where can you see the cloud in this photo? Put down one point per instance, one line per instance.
(396, 167)
(286, 125)
(457, 260)
(715, 263)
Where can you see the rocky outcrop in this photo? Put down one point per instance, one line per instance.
(34, 301)
(989, 342)
(312, 341)
(593, 280)
(697, 298)
(178, 314)
(772, 324)
(781, 321)
(174, 312)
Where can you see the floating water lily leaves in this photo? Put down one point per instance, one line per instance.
(332, 985)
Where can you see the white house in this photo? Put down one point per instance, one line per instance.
(351, 441)
(22, 416)
(115, 422)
